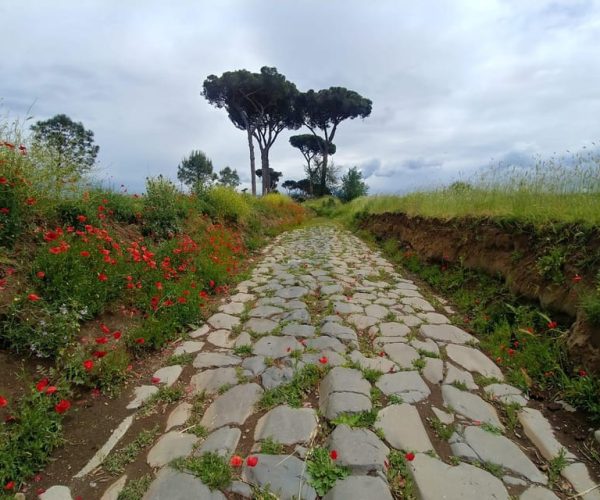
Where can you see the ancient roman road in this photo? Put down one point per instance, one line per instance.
(425, 399)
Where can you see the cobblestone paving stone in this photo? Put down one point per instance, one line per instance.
(320, 295)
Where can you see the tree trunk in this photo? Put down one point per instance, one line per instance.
(266, 178)
(323, 187)
(252, 162)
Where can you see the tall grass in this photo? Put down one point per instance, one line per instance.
(555, 189)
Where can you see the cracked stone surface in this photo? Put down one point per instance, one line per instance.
(321, 296)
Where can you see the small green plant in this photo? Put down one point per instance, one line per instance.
(550, 265)
(395, 399)
(512, 416)
(293, 392)
(443, 431)
(491, 467)
(212, 469)
(371, 375)
(180, 359)
(271, 447)
(483, 381)
(115, 462)
(360, 419)
(419, 364)
(198, 430)
(590, 305)
(486, 426)
(323, 471)
(135, 489)
(556, 465)
(399, 478)
(390, 317)
(224, 388)
(243, 350)
(164, 395)
(459, 384)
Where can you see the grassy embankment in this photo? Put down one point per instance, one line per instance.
(93, 280)
(524, 339)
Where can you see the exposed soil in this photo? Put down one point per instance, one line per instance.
(512, 251)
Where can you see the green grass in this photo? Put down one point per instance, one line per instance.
(115, 462)
(399, 478)
(135, 489)
(443, 431)
(360, 419)
(212, 469)
(271, 447)
(164, 395)
(323, 471)
(293, 392)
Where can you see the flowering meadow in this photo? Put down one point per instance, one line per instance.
(74, 258)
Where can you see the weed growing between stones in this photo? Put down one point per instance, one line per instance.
(135, 489)
(212, 469)
(164, 396)
(555, 467)
(323, 470)
(460, 385)
(271, 447)
(359, 419)
(486, 426)
(180, 359)
(512, 416)
(293, 392)
(398, 476)
(443, 431)
(243, 350)
(115, 462)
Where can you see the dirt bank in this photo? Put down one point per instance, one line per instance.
(553, 264)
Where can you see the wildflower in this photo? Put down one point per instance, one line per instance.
(41, 274)
(42, 384)
(236, 461)
(582, 373)
(381, 354)
(3, 402)
(99, 354)
(182, 300)
(511, 352)
(88, 364)
(333, 455)
(30, 202)
(102, 277)
(33, 297)
(552, 324)
(104, 328)
(9, 486)
(211, 283)
(3, 181)
(84, 253)
(62, 406)
(158, 285)
(101, 340)
(410, 456)
(4, 210)
(51, 235)
(323, 360)
(251, 461)
(51, 389)
(95, 392)
(155, 380)
(81, 218)
(140, 340)
(116, 335)
(576, 278)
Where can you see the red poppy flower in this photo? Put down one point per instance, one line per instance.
(181, 300)
(9, 486)
(95, 392)
(41, 274)
(211, 283)
(116, 335)
(88, 364)
(84, 253)
(4, 210)
(552, 324)
(382, 354)
(104, 328)
(203, 294)
(156, 380)
(511, 352)
(42, 384)
(99, 354)
(251, 461)
(140, 340)
(323, 360)
(3, 402)
(33, 297)
(236, 461)
(62, 406)
(3, 180)
(410, 456)
(81, 218)
(576, 278)
(51, 390)
(158, 285)
(333, 455)
(30, 202)
(102, 277)
(102, 340)
(582, 373)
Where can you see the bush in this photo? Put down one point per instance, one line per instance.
(224, 203)
(162, 214)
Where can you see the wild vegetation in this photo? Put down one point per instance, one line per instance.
(92, 279)
(559, 200)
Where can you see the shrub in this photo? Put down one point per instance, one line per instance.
(225, 203)
(162, 213)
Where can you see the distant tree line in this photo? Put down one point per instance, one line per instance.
(266, 103)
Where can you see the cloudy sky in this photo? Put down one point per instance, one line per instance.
(455, 84)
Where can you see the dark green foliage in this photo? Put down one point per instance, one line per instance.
(353, 185)
(229, 177)
(70, 144)
(196, 171)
